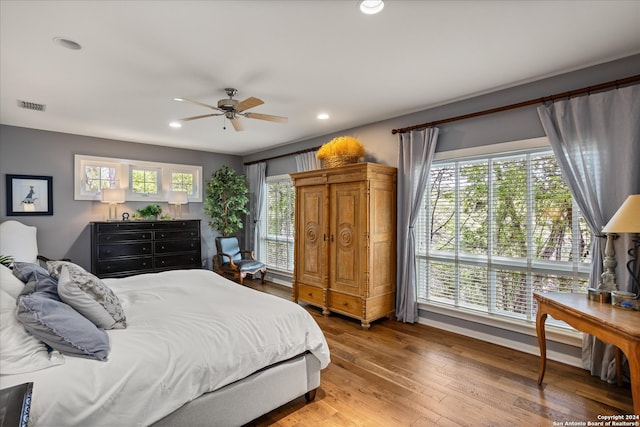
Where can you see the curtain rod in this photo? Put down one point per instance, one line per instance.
(306, 150)
(569, 94)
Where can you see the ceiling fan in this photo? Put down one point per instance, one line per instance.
(231, 109)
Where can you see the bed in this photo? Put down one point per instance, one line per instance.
(197, 349)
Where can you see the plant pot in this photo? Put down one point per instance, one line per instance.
(337, 161)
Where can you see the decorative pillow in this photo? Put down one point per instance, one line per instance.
(36, 279)
(88, 294)
(61, 327)
(10, 283)
(20, 352)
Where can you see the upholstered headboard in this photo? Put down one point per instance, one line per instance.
(19, 241)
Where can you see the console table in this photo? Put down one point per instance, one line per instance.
(613, 325)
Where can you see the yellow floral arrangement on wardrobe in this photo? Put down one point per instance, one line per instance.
(341, 150)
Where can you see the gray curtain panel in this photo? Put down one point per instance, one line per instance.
(415, 154)
(596, 140)
(307, 161)
(256, 178)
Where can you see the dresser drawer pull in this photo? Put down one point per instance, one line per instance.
(107, 237)
(162, 236)
(346, 304)
(108, 252)
(144, 264)
(144, 249)
(162, 247)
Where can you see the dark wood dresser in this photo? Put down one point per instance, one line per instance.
(120, 249)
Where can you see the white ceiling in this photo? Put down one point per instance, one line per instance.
(300, 57)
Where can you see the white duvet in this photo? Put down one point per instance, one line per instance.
(188, 332)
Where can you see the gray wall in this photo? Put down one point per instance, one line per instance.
(66, 234)
(523, 123)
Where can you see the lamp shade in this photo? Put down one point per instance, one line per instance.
(177, 198)
(627, 218)
(112, 195)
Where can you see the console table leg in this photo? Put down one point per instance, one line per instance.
(542, 342)
(634, 373)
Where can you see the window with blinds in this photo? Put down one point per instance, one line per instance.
(493, 230)
(277, 240)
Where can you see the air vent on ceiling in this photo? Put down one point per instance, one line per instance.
(31, 105)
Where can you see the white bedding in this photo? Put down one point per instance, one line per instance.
(188, 332)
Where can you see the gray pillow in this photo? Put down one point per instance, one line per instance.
(36, 279)
(88, 295)
(61, 327)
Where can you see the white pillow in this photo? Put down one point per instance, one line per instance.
(20, 352)
(88, 295)
(10, 283)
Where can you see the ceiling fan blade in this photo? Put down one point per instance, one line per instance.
(267, 117)
(237, 125)
(197, 103)
(188, 119)
(248, 103)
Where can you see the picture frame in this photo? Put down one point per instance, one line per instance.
(29, 195)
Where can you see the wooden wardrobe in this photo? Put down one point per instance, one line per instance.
(345, 241)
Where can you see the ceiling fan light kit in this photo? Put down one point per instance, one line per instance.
(231, 109)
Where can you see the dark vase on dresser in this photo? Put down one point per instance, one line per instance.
(120, 249)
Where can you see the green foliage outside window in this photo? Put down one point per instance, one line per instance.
(487, 221)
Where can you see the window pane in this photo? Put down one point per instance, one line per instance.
(442, 208)
(98, 177)
(510, 207)
(279, 231)
(494, 230)
(181, 181)
(144, 181)
(474, 194)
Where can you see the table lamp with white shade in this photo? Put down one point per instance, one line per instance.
(178, 198)
(627, 221)
(113, 196)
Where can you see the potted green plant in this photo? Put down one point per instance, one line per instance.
(226, 201)
(150, 211)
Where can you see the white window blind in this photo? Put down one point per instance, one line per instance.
(495, 229)
(279, 236)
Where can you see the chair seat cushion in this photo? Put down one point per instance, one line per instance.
(245, 265)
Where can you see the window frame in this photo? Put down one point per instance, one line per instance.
(265, 237)
(124, 168)
(499, 319)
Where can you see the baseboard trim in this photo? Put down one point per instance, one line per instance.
(505, 342)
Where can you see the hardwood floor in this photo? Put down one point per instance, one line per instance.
(399, 374)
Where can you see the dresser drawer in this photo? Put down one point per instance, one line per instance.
(176, 235)
(127, 249)
(347, 304)
(311, 294)
(124, 237)
(118, 227)
(182, 260)
(119, 266)
(169, 246)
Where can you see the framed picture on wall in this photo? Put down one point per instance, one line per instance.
(29, 195)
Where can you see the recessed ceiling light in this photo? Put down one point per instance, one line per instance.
(323, 116)
(371, 7)
(68, 43)
(175, 124)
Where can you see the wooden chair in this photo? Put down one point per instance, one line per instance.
(235, 262)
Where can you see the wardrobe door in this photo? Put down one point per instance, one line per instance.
(347, 227)
(311, 233)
